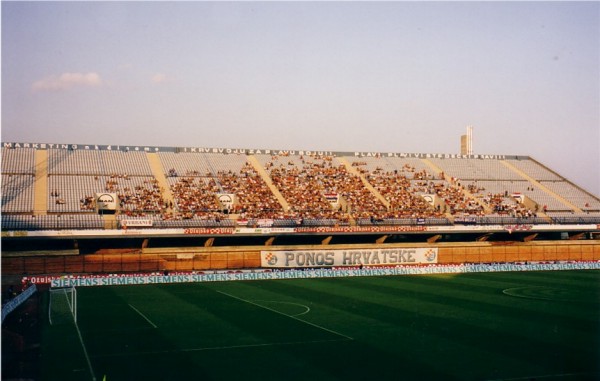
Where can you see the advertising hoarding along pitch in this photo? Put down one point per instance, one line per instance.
(329, 258)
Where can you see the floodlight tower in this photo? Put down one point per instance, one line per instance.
(466, 142)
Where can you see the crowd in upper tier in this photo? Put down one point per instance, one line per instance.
(283, 186)
(319, 187)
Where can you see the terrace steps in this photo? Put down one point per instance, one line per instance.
(40, 195)
(159, 175)
(267, 179)
(367, 185)
(110, 221)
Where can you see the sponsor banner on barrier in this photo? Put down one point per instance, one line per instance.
(97, 280)
(209, 231)
(147, 231)
(137, 223)
(155, 279)
(17, 301)
(227, 200)
(328, 258)
(106, 201)
(263, 230)
(362, 229)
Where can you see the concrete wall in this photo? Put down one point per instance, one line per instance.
(512, 252)
(201, 258)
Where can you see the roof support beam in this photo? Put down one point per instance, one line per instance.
(434, 238)
(327, 240)
(576, 236)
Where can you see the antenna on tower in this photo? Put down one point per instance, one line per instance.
(466, 142)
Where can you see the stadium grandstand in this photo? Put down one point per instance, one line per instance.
(66, 199)
(186, 187)
(75, 216)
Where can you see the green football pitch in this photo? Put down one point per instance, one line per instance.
(486, 326)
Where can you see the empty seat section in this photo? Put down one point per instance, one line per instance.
(574, 195)
(18, 161)
(534, 169)
(17, 193)
(476, 169)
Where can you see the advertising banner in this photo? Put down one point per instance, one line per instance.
(329, 258)
(17, 301)
(227, 200)
(106, 201)
(333, 198)
(146, 222)
(224, 276)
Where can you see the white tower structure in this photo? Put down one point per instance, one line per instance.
(466, 142)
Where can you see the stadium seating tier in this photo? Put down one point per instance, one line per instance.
(287, 189)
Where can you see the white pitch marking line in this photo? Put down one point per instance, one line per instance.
(544, 376)
(242, 346)
(307, 308)
(85, 352)
(290, 316)
(144, 316)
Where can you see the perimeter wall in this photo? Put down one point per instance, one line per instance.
(201, 258)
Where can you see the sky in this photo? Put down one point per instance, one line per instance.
(404, 77)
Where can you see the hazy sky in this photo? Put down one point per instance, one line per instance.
(338, 76)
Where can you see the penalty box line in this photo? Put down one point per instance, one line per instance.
(286, 315)
(225, 347)
(143, 316)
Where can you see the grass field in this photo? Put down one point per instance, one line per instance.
(492, 326)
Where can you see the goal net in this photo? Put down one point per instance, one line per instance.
(62, 306)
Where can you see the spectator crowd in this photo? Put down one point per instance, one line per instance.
(316, 187)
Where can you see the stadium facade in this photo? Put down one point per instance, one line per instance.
(75, 208)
